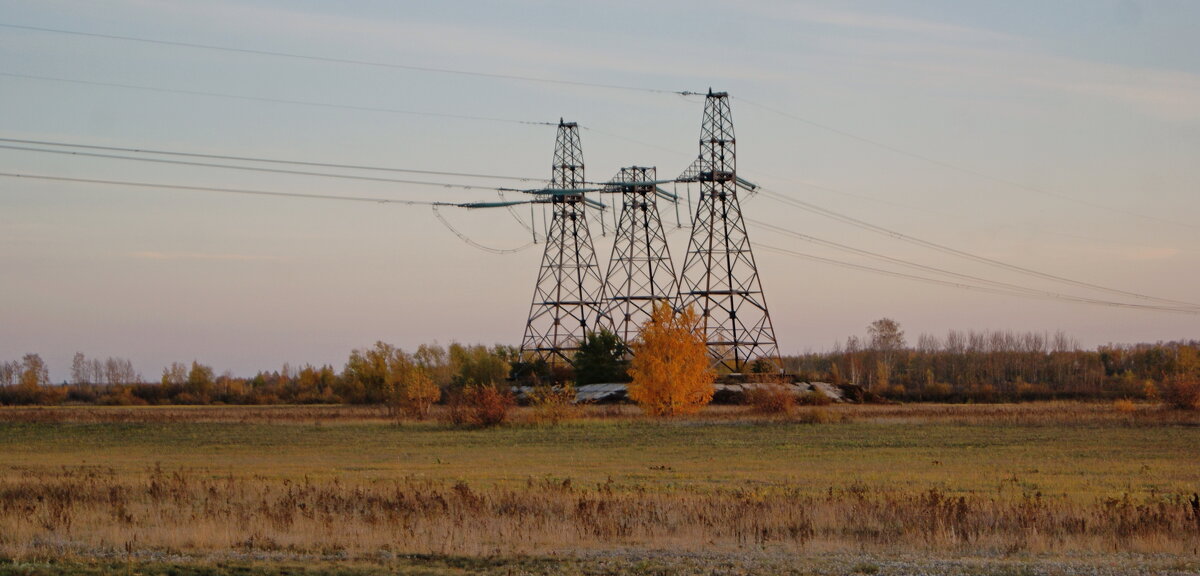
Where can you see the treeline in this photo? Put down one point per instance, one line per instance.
(992, 366)
(382, 374)
(985, 366)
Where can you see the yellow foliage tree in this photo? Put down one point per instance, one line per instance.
(418, 394)
(670, 368)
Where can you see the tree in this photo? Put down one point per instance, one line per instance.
(418, 392)
(886, 336)
(80, 371)
(368, 374)
(200, 381)
(478, 365)
(34, 374)
(175, 374)
(9, 372)
(601, 358)
(670, 368)
(33, 386)
(435, 361)
(119, 371)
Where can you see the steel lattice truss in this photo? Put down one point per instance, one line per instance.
(719, 276)
(568, 298)
(640, 272)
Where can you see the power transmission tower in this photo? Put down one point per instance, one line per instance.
(640, 272)
(568, 298)
(719, 276)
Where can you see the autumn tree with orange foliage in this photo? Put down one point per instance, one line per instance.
(671, 371)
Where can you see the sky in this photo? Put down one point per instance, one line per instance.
(1054, 136)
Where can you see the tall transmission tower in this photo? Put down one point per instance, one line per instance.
(719, 276)
(640, 272)
(568, 298)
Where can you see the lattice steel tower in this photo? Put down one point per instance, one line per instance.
(568, 298)
(719, 275)
(640, 272)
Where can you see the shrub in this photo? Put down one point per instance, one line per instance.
(1149, 390)
(771, 399)
(1124, 406)
(817, 416)
(456, 408)
(1182, 393)
(937, 391)
(480, 405)
(814, 397)
(553, 404)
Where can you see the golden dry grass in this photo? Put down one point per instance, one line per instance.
(983, 480)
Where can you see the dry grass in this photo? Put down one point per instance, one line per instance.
(322, 413)
(985, 480)
(1030, 414)
(90, 511)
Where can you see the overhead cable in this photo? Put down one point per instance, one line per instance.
(372, 199)
(965, 170)
(474, 244)
(252, 168)
(813, 208)
(265, 160)
(274, 100)
(353, 61)
(935, 270)
(973, 287)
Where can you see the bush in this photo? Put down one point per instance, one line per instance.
(817, 416)
(553, 404)
(814, 397)
(480, 405)
(1124, 406)
(939, 391)
(1182, 393)
(771, 399)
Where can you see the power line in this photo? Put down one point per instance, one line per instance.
(866, 198)
(356, 62)
(267, 160)
(374, 200)
(252, 168)
(477, 245)
(923, 267)
(272, 100)
(435, 205)
(971, 287)
(809, 207)
(962, 169)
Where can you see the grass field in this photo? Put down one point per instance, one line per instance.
(867, 489)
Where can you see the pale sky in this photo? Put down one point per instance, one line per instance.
(1059, 136)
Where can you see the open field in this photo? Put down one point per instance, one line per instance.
(1068, 488)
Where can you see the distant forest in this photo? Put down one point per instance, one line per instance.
(988, 366)
(995, 366)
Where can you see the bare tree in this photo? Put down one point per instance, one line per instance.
(928, 344)
(175, 374)
(9, 372)
(80, 374)
(119, 371)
